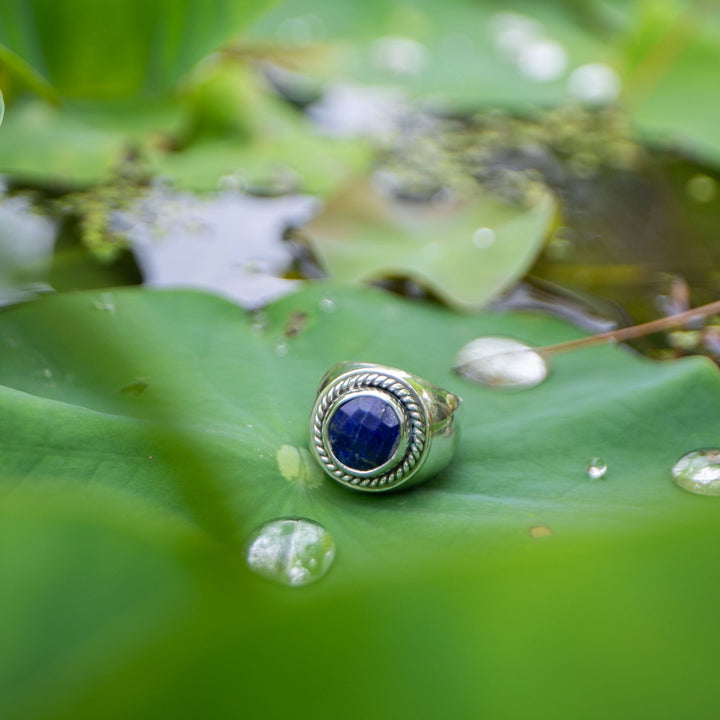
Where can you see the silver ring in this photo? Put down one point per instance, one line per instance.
(375, 428)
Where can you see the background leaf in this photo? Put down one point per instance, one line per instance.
(466, 254)
(118, 48)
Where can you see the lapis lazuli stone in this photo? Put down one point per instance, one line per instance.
(364, 432)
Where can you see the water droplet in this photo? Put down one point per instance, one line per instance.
(511, 32)
(291, 551)
(105, 303)
(259, 322)
(596, 468)
(281, 349)
(501, 362)
(702, 188)
(483, 237)
(540, 531)
(542, 60)
(327, 305)
(594, 83)
(47, 373)
(399, 55)
(699, 472)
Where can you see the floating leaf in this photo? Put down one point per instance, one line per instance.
(207, 369)
(26, 249)
(465, 254)
(42, 144)
(118, 603)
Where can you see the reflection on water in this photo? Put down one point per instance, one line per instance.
(229, 243)
(27, 240)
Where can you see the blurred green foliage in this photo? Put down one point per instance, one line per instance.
(124, 590)
(145, 434)
(118, 48)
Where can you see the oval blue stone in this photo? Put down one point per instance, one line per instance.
(364, 432)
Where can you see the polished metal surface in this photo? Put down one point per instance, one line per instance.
(428, 428)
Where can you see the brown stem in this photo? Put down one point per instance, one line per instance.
(635, 331)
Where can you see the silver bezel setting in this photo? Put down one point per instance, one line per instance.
(412, 447)
(400, 446)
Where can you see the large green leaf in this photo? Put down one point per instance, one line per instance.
(118, 48)
(467, 253)
(72, 408)
(115, 603)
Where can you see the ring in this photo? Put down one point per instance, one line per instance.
(375, 428)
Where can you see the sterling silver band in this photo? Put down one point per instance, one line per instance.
(427, 434)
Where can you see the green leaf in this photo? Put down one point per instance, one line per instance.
(115, 604)
(454, 53)
(244, 396)
(673, 58)
(466, 254)
(235, 127)
(43, 144)
(118, 48)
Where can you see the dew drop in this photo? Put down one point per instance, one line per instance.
(501, 362)
(542, 60)
(594, 84)
(328, 305)
(596, 468)
(399, 55)
(47, 373)
(483, 237)
(291, 551)
(699, 472)
(105, 303)
(259, 322)
(281, 349)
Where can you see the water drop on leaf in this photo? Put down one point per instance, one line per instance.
(501, 362)
(291, 551)
(699, 472)
(596, 468)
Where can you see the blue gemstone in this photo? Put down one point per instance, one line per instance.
(364, 432)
